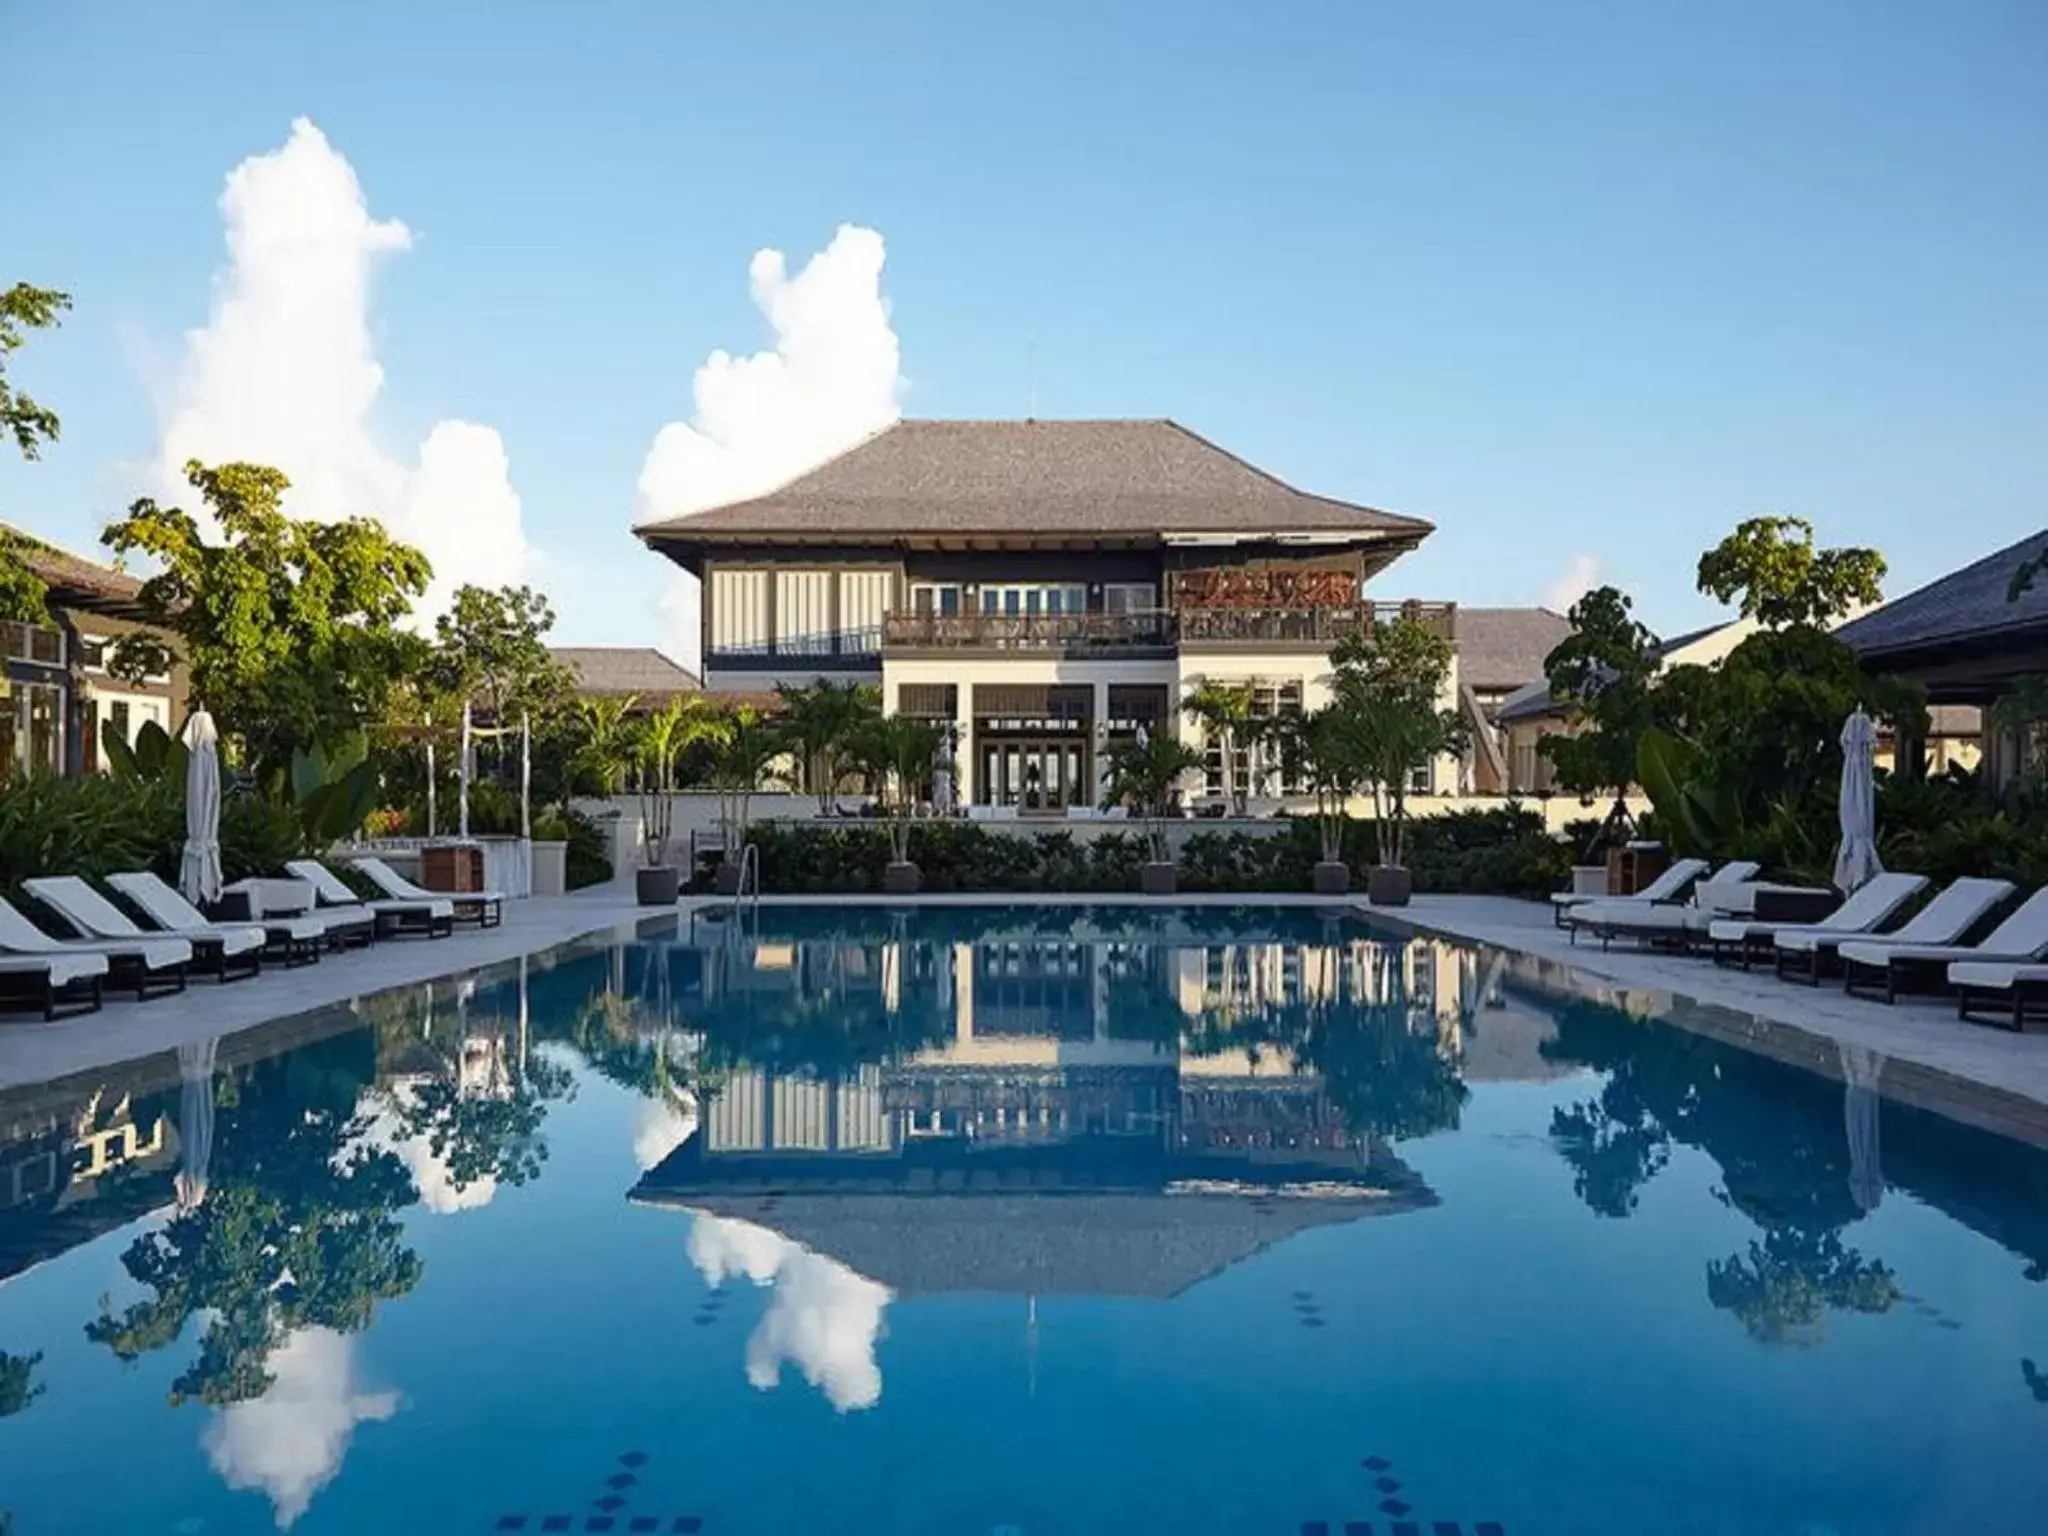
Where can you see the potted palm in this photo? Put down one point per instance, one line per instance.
(1326, 749)
(657, 741)
(899, 754)
(744, 748)
(821, 724)
(1224, 711)
(1387, 687)
(1144, 773)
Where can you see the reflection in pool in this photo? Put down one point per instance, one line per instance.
(982, 1219)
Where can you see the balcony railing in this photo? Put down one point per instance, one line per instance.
(1150, 629)
(1028, 632)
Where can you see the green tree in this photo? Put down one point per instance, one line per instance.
(745, 746)
(24, 595)
(290, 628)
(1389, 680)
(1324, 749)
(603, 742)
(1144, 774)
(1224, 711)
(823, 723)
(1770, 565)
(1604, 674)
(18, 1386)
(25, 308)
(490, 648)
(658, 740)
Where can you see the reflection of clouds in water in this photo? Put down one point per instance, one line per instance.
(290, 1441)
(385, 1132)
(824, 1318)
(663, 1126)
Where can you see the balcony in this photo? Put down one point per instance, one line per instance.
(1049, 633)
(1157, 629)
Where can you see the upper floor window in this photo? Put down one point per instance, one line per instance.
(36, 643)
(940, 597)
(1129, 596)
(1022, 601)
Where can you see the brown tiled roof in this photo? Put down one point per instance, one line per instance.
(1127, 479)
(1500, 648)
(1969, 604)
(72, 576)
(623, 669)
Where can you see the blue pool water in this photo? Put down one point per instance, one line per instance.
(1007, 1221)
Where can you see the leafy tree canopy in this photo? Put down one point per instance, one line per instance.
(1771, 566)
(24, 596)
(490, 648)
(823, 723)
(1605, 673)
(1389, 684)
(290, 628)
(24, 308)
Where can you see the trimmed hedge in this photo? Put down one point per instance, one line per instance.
(1505, 852)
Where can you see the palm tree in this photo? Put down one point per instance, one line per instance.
(662, 738)
(1144, 772)
(899, 753)
(745, 745)
(606, 748)
(820, 723)
(1224, 711)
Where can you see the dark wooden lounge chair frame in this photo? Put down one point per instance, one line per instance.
(82, 994)
(2015, 1003)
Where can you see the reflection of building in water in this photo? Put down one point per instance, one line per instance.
(84, 1171)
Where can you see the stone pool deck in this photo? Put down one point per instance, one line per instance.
(1972, 1072)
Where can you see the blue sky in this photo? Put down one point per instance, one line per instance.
(1578, 282)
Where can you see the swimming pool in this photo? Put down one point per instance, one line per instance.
(1011, 1220)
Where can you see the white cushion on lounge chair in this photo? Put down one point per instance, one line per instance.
(335, 892)
(88, 909)
(61, 969)
(1943, 920)
(2022, 936)
(1872, 904)
(24, 937)
(395, 885)
(168, 908)
(1992, 976)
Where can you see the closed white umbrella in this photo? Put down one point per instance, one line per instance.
(1856, 864)
(195, 1121)
(199, 870)
(1861, 1069)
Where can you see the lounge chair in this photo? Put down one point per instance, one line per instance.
(1944, 920)
(294, 940)
(1652, 920)
(229, 951)
(1669, 886)
(2021, 939)
(58, 984)
(148, 964)
(434, 917)
(2013, 988)
(484, 908)
(1869, 908)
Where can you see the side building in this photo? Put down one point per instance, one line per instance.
(59, 696)
(1042, 588)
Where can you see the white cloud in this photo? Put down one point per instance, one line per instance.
(290, 1441)
(823, 1318)
(832, 377)
(1580, 577)
(663, 1125)
(284, 372)
(385, 1132)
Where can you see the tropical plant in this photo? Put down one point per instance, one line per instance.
(605, 748)
(18, 1386)
(1321, 749)
(291, 627)
(1387, 688)
(899, 754)
(658, 739)
(156, 754)
(1144, 775)
(823, 723)
(26, 308)
(331, 791)
(1224, 711)
(745, 745)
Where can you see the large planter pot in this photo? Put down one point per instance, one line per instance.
(1333, 878)
(901, 879)
(550, 869)
(1157, 879)
(658, 886)
(725, 880)
(1389, 886)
